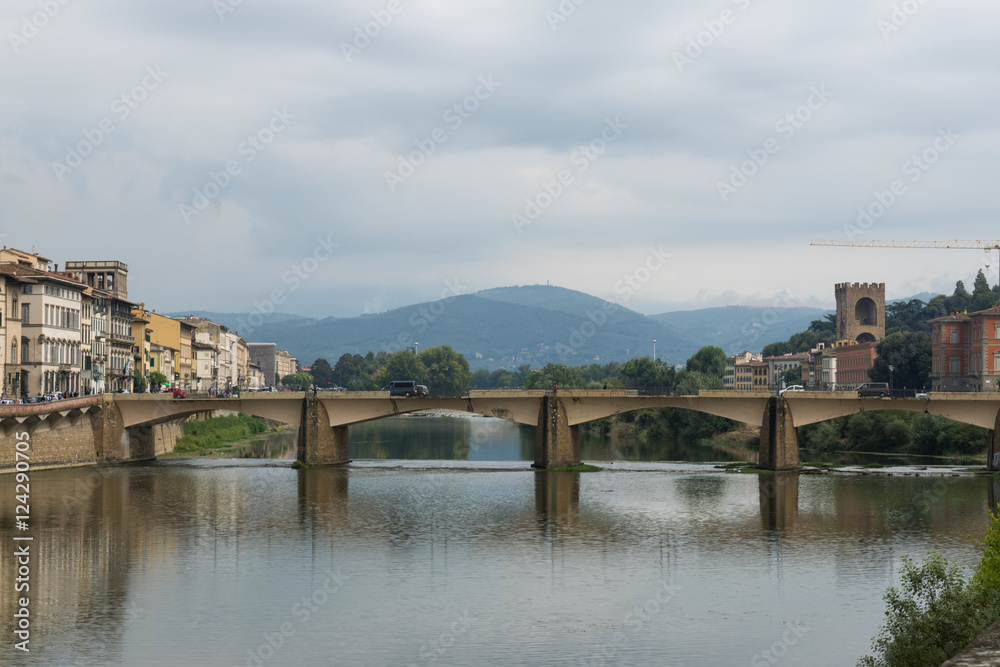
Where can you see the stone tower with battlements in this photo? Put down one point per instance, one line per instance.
(860, 311)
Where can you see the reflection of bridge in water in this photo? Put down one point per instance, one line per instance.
(125, 426)
(116, 523)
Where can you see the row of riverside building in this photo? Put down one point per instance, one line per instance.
(75, 331)
(965, 350)
(843, 366)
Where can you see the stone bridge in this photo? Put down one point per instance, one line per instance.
(128, 427)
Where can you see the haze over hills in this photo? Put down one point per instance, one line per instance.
(535, 325)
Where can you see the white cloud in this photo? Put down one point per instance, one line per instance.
(353, 121)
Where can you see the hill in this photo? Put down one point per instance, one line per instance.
(738, 328)
(535, 325)
(491, 332)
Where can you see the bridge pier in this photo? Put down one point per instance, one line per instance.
(319, 443)
(556, 442)
(992, 449)
(779, 442)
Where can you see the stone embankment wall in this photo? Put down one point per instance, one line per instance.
(77, 432)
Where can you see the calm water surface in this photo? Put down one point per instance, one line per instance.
(404, 563)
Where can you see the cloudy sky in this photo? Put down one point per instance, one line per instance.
(339, 158)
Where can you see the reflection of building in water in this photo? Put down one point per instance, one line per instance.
(87, 532)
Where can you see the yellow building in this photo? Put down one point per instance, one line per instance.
(140, 349)
(169, 348)
(185, 376)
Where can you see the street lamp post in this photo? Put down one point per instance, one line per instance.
(654, 350)
(891, 369)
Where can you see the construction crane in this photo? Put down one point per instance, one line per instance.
(957, 244)
(952, 245)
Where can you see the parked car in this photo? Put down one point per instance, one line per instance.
(920, 394)
(178, 392)
(791, 387)
(405, 388)
(870, 389)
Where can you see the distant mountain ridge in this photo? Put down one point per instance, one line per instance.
(534, 324)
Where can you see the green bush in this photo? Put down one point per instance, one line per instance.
(822, 437)
(958, 438)
(936, 613)
(212, 432)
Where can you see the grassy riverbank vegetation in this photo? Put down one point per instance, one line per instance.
(936, 612)
(206, 434)
(892, 431)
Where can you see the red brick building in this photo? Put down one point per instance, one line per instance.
(966, 351)
(853, 364)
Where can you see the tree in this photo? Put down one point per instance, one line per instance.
(982, 295)
(348, 368)
(640, 372)
(826, 326)
(792, 375)
(480, 379)
(445, 368)
(402, 365)
(564, 376)
(909, 315)
(322, 373)
(959, 301)
(689, 383)
(157, 379)
(505, 379)
(933, 616)
(777, 349)
(138, 382)
(298, 381)
(709, 360)
(936, 613)
(909, 352)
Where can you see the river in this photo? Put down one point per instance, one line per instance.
(472, 559)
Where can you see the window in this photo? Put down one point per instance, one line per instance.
(25, 314)
(954, 334)
(13, 352)
(24, 350)
(954, 365)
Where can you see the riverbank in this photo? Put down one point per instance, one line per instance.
(221, 435)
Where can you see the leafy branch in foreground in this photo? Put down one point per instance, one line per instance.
(936, 612)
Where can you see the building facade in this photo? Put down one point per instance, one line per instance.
(778, 366)
(729, 380)
(853, 364)
(206, 363)
(50, 354)
(10, 335)
(965, 351)
(860, 311)
(111, 320)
